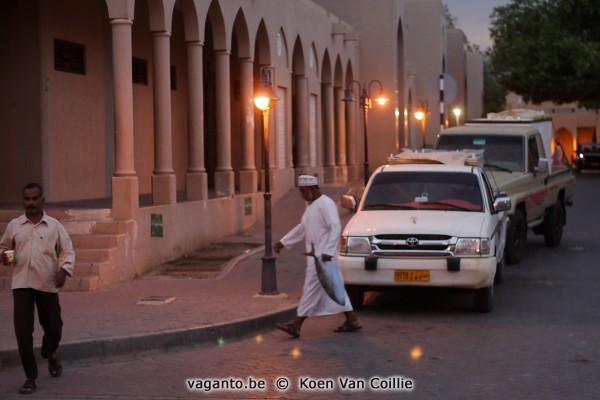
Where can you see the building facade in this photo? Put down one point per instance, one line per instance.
(143, 108)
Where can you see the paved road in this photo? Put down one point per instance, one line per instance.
(540, 342)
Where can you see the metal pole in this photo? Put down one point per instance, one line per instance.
(269, 277)
(423, 130)
(363, 100)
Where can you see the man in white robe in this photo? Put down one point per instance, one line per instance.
(320, 227)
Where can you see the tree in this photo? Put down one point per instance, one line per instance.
(548, 50)
(494, 93)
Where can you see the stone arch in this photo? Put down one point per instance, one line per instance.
(339, 120)
(568, 142)
(352, 133)
(215, 41)
(300, 143)
(328, 125)
(262, 56)
(242, 126)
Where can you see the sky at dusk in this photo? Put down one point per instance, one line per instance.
(473, 17)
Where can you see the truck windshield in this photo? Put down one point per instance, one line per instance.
(501, 152)
(448, 191)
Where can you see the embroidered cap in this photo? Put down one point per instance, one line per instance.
(307, 180)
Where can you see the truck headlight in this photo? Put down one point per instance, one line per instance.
(355, 245)
(472, 247)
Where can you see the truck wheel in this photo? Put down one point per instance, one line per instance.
(356, 295)
(516, 238)
(499, 277)
(553, 224)
(483, 299)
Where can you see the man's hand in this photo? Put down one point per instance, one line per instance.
(277, 247)
(60, 278)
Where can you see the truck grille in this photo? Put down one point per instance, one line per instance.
(413, 245)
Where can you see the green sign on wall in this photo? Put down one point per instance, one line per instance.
(156, 225)
(248, 206)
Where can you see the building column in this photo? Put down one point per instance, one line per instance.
(248, 173)
(163, 180)
(329, 132)
(125, 189)
(196, 180)
(224, 179)
(341, 173)
(351, 138)
(302, 123)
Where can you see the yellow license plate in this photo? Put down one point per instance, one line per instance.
(403, 275)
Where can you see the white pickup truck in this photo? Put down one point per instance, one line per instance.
(425, 221)
(517, 146)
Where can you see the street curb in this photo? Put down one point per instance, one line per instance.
(215, 334)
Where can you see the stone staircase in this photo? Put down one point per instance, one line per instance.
(98, 242)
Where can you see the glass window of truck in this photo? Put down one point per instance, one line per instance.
(501, 151)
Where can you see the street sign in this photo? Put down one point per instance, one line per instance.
(433, 88)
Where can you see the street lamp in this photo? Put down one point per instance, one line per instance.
(457, 112)
(421, 115)
(264, 98)
(365, 103)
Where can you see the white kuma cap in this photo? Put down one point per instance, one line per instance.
(307, 180)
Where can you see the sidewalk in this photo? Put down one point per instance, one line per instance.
(109, 322)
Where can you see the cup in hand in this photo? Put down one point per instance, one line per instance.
(8, 257)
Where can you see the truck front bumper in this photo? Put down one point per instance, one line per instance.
(470, 273)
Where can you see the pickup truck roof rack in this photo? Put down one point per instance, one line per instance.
(515, 116)
(473, 157)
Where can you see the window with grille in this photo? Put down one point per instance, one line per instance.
(69, 57)
(139, 70)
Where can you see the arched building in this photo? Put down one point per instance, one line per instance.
(137, 115)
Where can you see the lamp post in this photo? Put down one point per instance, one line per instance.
(457, 112)
(421, 115)
(264, 97)
(365, 104)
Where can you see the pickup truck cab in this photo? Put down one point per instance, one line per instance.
(523, 159)
(425, 224)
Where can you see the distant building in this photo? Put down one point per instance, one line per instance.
(572, 124)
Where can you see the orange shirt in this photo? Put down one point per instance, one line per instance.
(40, 251)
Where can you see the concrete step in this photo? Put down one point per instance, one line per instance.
(95, 238)
(81, 284)
(74, 284)
(94, 241)
(86, 255)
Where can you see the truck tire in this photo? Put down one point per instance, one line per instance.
(499, 277)
(553, 224)
(356, 295)
(483, 299)
(516, 236)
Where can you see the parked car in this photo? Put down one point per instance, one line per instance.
(587, 156)
(421, 224)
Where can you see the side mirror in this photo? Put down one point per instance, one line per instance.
(348, 201)
(542, 166)
(502, 204)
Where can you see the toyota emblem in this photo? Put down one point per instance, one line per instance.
(412, 242)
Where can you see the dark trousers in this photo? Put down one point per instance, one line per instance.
(25, 301)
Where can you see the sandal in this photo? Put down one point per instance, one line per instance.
(348, 327)
(28, 387)
(54, 366)
(289, 328)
